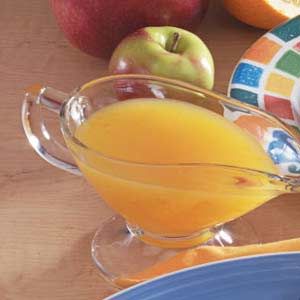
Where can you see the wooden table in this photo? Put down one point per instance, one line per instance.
(45, 225)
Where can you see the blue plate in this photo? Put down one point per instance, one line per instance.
(266, 277)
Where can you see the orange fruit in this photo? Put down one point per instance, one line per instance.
(256, 125)
(206, 254)
(264, 14)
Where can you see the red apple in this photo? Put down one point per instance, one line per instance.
(97, 26)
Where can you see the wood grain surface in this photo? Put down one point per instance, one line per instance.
(48, 217)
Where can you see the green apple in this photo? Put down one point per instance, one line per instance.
(165, 51)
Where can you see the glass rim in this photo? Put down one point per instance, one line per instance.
(75, 94)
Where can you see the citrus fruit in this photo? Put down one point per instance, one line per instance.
(264, 14)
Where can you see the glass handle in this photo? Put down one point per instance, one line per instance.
(41, 124)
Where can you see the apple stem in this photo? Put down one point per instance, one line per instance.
(175, 41)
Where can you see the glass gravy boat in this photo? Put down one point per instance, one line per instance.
(165, 205)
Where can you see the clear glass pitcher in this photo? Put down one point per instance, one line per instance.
(164, 205)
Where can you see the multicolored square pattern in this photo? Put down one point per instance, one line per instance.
(268, 74)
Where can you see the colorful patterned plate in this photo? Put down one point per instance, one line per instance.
(268, 74)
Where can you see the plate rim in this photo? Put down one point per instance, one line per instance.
(202, 266)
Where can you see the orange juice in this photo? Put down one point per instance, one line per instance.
(161, 164)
